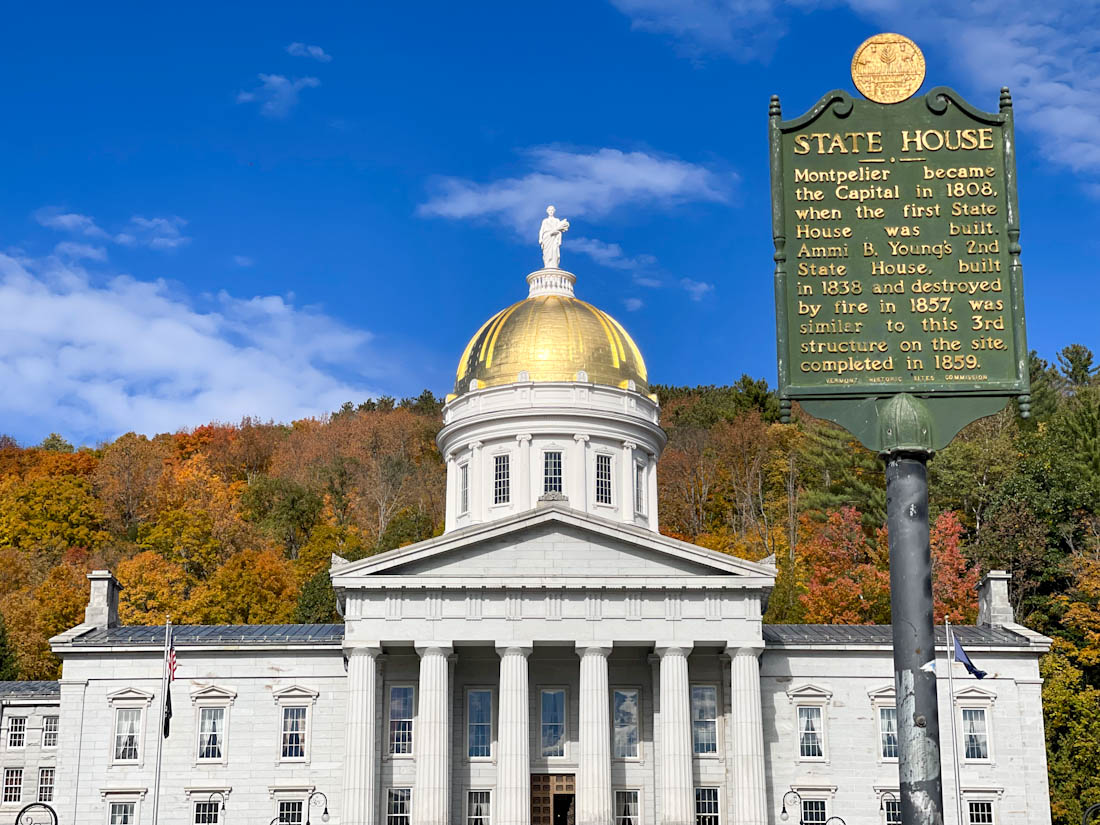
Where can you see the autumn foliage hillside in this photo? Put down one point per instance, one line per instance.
(237, 523)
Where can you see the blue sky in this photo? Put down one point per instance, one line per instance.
(213, 210)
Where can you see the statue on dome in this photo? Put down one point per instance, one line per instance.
(550, 234)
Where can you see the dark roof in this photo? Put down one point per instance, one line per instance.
(29, 690)
(228, 634)
(880, 634)
(332, 635)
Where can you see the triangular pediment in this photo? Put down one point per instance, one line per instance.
(213, 693)
(129, 696)
(882, 693)
(294, 693)
(553, 542)
(974, 693)
(809, 693)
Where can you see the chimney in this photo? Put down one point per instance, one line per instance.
(102, 609)
(994, 609)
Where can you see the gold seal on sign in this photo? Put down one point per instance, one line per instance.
(888, 68)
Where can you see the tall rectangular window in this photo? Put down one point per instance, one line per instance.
(603, 478)
(639, 489)
(17, 731)
(888, 732)
(207, 813)
(294, 732)
(810, 742)
(463, 488)
(626, 808)
(13, 784)
(479, 723)
(553, 722)
(127, 734)
(706, 806)
(813, 811)
(704, 719)
(290, 812)
(975, 735)
(477, 808)
(401, 719)
(211, 733)
(551, 472)
(502, 482)
(624, 713)
(980, 813)
(398, 806)
(45, 784)
(892, 809)
(122, 813)
(49, 732)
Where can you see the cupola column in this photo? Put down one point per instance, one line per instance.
(580, 473)
(627, 494)
(523, 491)
(477, 483)
(651, 477)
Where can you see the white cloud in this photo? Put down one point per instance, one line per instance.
(73, 251)
(580, 184)
(160, 233)
(608, 254)
(302, 50)
(1048, 54)
(53, 217)
(92, 358)
(278, 94)
(154, 233)
(633, 304)
(242, 260)
(698, 290)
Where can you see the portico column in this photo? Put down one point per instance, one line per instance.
(513, 798)
(676, 779)
(747, 732)
(433, 741)
(361, 734)
(594, 767)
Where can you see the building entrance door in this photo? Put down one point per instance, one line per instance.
(553, 799)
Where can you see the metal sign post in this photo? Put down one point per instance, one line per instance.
(899, 304)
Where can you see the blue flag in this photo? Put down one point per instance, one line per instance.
(960, 656)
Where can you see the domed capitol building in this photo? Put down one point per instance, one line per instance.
(550, 659)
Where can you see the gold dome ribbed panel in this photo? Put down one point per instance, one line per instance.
(552, 338)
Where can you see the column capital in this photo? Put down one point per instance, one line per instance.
(523, 648)
(594, 648)
(580, 437)
(630, 445)
(433, 648)
(353, 649)
(753, 648)
(523, 438)
(663, 649)
(474, 446)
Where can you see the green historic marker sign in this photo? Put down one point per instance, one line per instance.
(897, 260)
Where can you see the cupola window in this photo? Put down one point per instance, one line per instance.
(603, 478)
(502, 490)
(551, 472)
(463, 488)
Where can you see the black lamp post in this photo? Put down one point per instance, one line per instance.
(221, 802)
(37, 813)
(796, 799)
(317, 798)
(1090, 812)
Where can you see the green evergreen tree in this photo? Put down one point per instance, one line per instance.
(317, 602)
(1076, 367)
(838, 471)
(54, 443)
(1045, 390)
(287, 510)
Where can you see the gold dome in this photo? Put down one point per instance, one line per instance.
(551, 338)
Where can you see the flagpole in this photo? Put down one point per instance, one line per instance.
(160, 719)
(951, 705)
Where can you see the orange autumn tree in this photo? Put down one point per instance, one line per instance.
(849, 580)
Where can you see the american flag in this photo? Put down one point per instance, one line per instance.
(172, 661)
